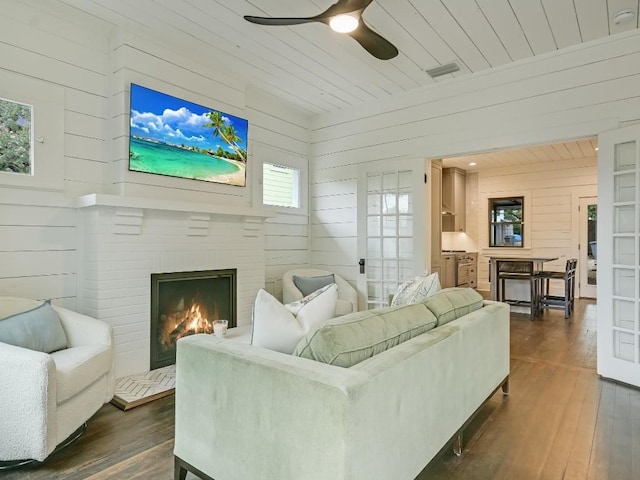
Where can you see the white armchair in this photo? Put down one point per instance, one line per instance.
(347, 295)
(46, 397)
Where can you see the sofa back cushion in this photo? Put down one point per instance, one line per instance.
(452, 303)
(31, 324)
(348, 340)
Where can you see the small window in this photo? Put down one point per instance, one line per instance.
(506, 223)
(280, 186)
(16, 145)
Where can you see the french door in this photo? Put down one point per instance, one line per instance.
(618, 254)
(391, 228)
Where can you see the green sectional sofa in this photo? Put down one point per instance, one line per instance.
(417, 374)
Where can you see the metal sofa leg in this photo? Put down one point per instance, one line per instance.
(505, 386)
(457, 444)
(179, 472)
(181, 468)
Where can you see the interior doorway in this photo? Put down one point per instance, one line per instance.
(551, 178)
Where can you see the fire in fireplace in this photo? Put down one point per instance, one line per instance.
(184, 303)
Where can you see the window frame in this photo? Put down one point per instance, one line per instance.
(274, 156)
(47, 131)
(296, 188)
(521, 223)
(31, 147)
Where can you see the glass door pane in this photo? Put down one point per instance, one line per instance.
(389, 233)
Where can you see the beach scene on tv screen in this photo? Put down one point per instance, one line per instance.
(174, 137)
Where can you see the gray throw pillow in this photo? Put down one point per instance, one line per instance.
(37, 329)
(308, 285)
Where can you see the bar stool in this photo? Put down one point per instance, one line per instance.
(561, 302)
(517, 271)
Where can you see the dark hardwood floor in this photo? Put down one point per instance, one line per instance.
(560, 421)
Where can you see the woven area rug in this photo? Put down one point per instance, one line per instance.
(136, 390)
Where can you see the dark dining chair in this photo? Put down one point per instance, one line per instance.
(517, 271)
(561, 302)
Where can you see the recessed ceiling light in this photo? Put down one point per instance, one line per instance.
(596, 149)
(343, 23)
(472, 164)
(623, 16)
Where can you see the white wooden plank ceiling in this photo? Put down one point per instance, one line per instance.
(323, 71)
(555, 152)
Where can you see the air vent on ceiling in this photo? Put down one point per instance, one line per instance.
(443, 69)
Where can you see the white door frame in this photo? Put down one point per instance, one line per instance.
(618, 257)
(586, 290)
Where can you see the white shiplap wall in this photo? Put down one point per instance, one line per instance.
(53, 51)
(281, 137)
(334, 218)
(576, 93)
(58, 47)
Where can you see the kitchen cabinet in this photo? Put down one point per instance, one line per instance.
(448, 271)
(453, 199)
(467, 269)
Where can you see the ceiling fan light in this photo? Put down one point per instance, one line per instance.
(343, 23)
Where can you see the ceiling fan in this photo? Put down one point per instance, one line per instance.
(344, 16)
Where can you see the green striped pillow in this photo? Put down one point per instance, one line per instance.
(348, 340)
(452, 303)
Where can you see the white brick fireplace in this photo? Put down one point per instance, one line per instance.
(124, 240)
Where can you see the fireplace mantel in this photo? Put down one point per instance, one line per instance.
(106, 200)
(123, 240)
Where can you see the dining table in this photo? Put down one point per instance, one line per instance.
(495, 263)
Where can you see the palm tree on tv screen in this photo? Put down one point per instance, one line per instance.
(226, 133)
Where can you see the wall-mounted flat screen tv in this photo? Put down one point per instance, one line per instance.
(174, 137)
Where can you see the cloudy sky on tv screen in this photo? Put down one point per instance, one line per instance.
(178, 138)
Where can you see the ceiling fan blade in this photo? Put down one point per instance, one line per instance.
(279, 21)
(373, 43)
(376, 45)
(343, 6)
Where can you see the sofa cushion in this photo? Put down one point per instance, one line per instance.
(417, 289)
(308, 285)
(452, 303)
(280, 327)
(31, 324)
(79, 367)
(348, 340)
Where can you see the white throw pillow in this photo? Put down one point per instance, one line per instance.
(280, 327)
(417, 289)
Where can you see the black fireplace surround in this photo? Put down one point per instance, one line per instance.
(184, 303)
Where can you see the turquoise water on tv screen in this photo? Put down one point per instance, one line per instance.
(151, 157)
